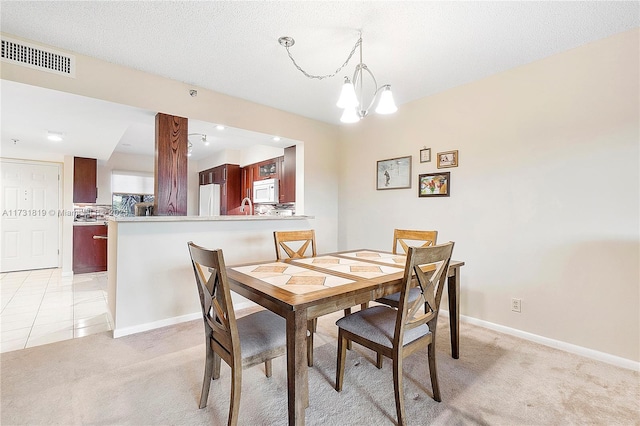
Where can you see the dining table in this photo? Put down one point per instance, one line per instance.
(306, 288)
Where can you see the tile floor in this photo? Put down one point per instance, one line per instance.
(39, 307)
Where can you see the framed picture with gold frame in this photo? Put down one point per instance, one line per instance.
(447, 159)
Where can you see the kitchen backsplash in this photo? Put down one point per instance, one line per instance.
(91, 212)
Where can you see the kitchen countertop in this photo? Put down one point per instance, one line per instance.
(101, 222)
(230, 218)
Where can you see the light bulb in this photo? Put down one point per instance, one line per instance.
(350, 115)
(348, 98)
(386, 105)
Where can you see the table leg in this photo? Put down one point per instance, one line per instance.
(453, 289)
(297, 370)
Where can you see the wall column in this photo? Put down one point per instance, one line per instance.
(170, 186)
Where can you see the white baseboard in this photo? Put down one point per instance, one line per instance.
(120, 332)
(557, 344)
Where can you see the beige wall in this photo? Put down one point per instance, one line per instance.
(544, 203)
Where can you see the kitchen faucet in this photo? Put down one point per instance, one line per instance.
(247, 199)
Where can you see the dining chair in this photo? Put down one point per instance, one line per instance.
(404, 238)
(295, 244)
(241, 343)
(397, 333)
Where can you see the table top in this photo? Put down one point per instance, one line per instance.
(297, 283)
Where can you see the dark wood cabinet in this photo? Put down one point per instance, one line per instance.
(288, 176)
(85, 174)
(247, 181)
(269, 169)
(229, 177)
(89, 248)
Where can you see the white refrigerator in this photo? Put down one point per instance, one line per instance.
(210, 200)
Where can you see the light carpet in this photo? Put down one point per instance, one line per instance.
(154, 378)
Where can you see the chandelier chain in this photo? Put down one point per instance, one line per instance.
(320, 77)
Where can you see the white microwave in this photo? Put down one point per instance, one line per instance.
(266, 191)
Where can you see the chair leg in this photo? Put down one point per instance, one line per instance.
(208, 372)
(310, 348)
(397, 388)
(216, 365)
(379, 359)
(268, 370)
(433, 372)
(236, 386)
(348, 312)
(342, 354)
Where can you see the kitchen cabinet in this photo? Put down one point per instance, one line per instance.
(89, 248)
(229, 177)
(288, 176)
(269, 169)
(247, 181)
(85, 173)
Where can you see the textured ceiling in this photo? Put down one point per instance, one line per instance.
(420, 48)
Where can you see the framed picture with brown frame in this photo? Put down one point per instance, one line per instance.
(434, 184)
(447, 159)
(394, 173)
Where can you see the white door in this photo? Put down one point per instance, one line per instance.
(30, 223)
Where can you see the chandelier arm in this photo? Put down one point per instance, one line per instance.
(320, 77)
(357, 75)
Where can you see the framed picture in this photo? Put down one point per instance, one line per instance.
(425, 155)
(447, 159)
(394, 173)
(434, 184)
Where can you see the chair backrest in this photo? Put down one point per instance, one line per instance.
(406, 236)
(219, 317)
(283, 240)
(429, 267)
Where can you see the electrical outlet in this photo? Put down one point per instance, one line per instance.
(516, 305)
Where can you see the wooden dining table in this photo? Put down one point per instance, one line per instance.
(303, 289)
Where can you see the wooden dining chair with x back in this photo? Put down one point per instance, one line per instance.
(295, 245)
(397, 333)
(241, 343)
(404, 238)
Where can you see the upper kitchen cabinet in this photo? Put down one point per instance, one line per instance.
(84, 180)
(269, 169)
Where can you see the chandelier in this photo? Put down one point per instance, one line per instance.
(352, 97)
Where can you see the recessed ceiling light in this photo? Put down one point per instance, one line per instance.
(276, 138)
(220, 127)
(54, 136)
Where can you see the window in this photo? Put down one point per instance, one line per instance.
(129, 188)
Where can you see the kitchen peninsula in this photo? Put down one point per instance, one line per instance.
(150, 278)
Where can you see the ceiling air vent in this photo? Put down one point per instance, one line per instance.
(38, 57)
